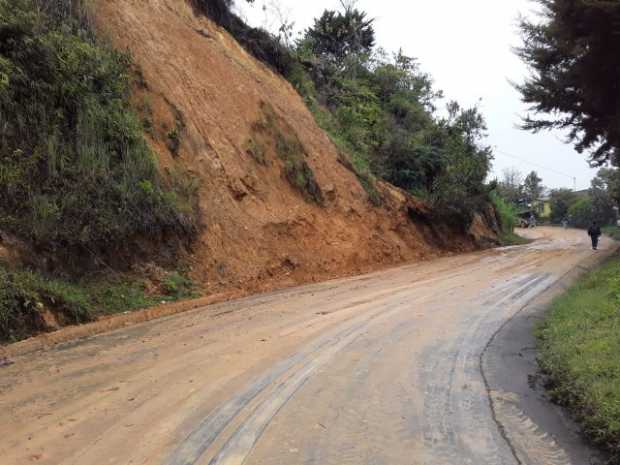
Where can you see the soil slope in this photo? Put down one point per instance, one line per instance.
(207, 101)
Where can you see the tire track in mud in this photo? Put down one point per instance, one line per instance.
(459, 428)
(272, 386)
(265, 396)
(530, 444)
(249, 413)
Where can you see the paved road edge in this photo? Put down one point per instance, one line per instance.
(537, 431)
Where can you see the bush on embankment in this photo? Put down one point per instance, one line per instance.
(507, 215)
(579, 347)
(76, 174)
(29, 299)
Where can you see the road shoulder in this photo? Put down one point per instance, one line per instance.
(539, 432)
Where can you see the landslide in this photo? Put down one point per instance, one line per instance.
(278, 204)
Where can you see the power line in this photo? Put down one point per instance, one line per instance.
(534, 164)
(542, 167)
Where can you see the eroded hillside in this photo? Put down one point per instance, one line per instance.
(277, 204)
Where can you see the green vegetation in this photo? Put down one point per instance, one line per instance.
(76, 175)
(579, 209)
(612, 231)
(256, 151)
(25, 295)
(290, 150)
(378, 109)
(561, 201)
(579, 346)
(174, 141)
(507, 215)
(77, 178)
(296, 169)
(574, 82)
(597, 204)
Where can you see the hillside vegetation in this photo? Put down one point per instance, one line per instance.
(78, 183)
(77, 177)
(379, 109)
(126, 177)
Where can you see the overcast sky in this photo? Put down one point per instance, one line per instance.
(467, 48)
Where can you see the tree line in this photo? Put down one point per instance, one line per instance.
(577, 208)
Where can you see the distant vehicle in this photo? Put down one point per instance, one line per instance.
(527, 219)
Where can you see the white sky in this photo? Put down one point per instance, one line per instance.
(466, 46)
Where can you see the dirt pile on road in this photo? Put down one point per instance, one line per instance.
(278, 206)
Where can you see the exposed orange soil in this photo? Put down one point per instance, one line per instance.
(259, 232)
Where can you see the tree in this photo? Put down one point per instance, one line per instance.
(561, 201)
(532, 188)
(574, 83)
(337, 35)
(602, 202)
(610, 178)
(460, 186)
(581, 213)
(510, 188)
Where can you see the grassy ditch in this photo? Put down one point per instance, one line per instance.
(28, 299)
(579, 347)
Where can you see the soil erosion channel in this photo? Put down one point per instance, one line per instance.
(378, 369)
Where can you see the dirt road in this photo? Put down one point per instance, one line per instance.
(378, 369)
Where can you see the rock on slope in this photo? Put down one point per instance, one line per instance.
(211, 106)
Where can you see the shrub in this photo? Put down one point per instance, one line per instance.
(177, 285)
(296, 169)
(19, 313)
(75, 171)
(256, 151)
(290, 150)
(24, 294)
(581, 213)
(506, 213)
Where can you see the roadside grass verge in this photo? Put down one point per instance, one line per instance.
(579, 347)
(612, 231)
(511, 238)
(28, 299)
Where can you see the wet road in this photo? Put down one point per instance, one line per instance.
(382, 369)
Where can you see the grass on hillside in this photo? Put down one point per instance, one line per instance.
(290, 150)
(77, 176)
(579, 350)
(25, 295)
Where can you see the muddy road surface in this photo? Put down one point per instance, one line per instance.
(382, 369)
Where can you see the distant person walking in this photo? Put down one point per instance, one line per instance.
(594, 232)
